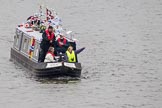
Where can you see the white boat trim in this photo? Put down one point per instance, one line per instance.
(71, 65)
(53, 65)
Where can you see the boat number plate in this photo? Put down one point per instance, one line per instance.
(51, 65)
(72, 65)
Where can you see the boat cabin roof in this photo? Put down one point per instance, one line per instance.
(31, 33)
(36, 34)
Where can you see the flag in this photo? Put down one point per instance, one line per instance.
(31, 49)
(49, 14)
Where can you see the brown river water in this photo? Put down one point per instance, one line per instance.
(122, 63)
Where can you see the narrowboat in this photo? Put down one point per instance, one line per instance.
(21, 53)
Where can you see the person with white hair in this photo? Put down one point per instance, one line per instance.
(62, 44)
(50, 55)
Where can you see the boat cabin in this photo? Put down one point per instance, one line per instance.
(23, 42)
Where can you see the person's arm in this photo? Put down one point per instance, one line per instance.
(65, 57)
(44, 37)
(79, 50)
(57, 44)
(54, 39)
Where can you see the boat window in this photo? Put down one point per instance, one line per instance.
(25, 45)
(16, 40)
(36, 50)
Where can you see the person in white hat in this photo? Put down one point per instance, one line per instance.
(62, 44)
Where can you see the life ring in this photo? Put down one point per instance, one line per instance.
(31, 49)
(27, 25)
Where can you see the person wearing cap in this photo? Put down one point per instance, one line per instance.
(50, 55)
(48, 39)
(71, 55)
(62, 44)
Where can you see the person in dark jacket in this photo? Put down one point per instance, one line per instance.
(62, 44)
(71, 55)
(48, 39)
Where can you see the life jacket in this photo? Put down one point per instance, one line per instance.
(64, 42)
(50, 37)
(71, 56)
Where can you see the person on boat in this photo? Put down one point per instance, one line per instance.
(48, 39)
(71, 55)
(50, 57)
(62, 44)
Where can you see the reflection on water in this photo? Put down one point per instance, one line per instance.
(122, 62)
